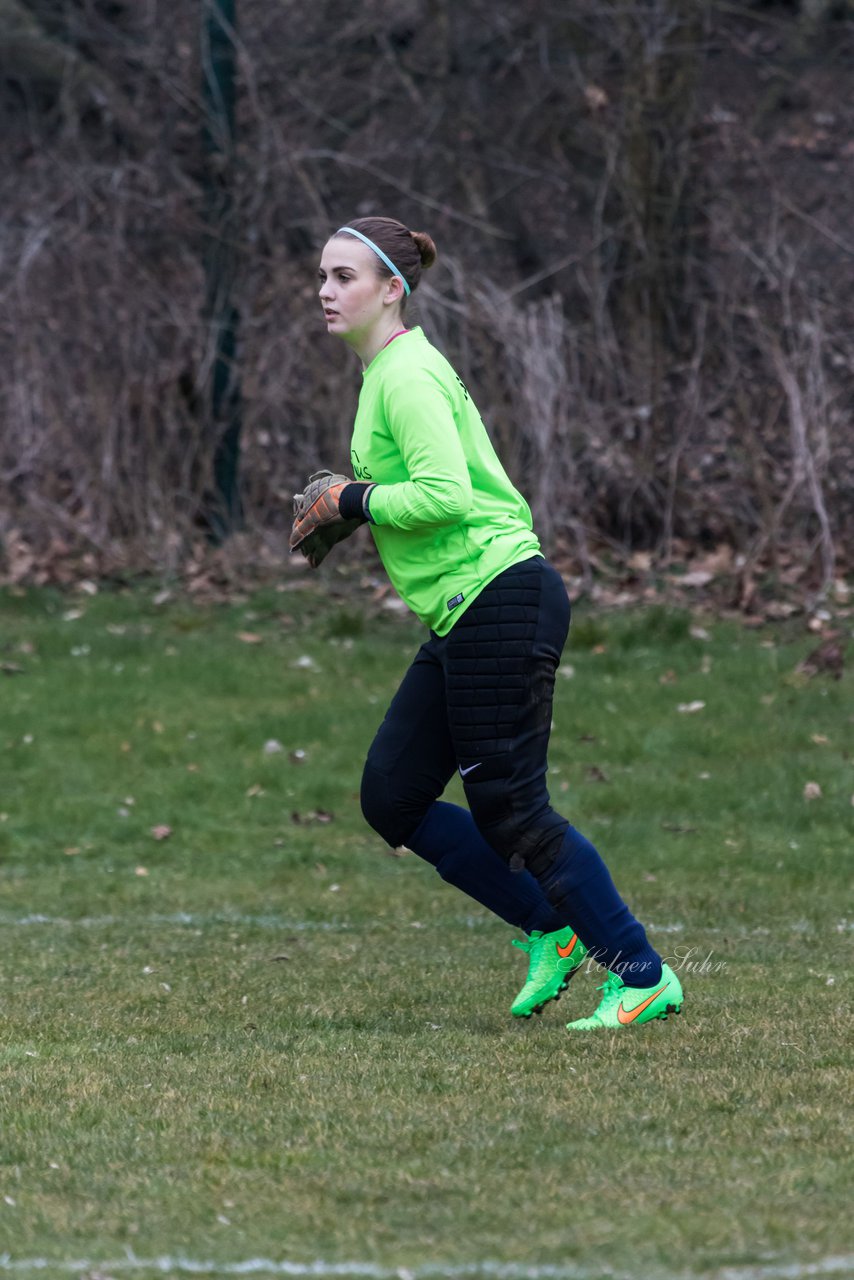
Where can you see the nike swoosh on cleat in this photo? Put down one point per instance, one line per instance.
(566, 952)
(625, 1017)
(464, 772)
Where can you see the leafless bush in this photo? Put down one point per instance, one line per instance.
(797, 353)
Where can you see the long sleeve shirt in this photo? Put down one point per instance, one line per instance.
(445, 518)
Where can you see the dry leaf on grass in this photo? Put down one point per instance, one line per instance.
(594, 774)
(828, 659)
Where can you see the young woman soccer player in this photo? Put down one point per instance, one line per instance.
(457, 542)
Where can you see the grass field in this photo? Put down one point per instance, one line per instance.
(234, 1028)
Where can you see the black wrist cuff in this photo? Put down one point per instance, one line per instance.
(350, 502)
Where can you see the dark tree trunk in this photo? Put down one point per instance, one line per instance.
(223, 513)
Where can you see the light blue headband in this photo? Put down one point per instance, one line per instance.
(378, 251)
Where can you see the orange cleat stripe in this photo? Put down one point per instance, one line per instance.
(625, 1017)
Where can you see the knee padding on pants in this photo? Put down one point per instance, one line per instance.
(518, 822)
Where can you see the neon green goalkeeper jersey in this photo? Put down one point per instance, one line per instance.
(445, 517)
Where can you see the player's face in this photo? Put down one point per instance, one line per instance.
(354, 296)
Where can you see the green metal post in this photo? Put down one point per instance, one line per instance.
(224, 510)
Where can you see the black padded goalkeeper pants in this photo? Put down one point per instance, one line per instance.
(479, 700)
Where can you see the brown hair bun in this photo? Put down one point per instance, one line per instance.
(426, 248)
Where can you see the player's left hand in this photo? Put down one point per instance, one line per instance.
(317, 506)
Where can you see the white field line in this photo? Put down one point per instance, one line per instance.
(236, 919)
(281, 923)
(841, 1267)
(185, 918)
(226, 918)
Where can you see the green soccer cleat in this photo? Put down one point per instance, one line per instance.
(623, 1006)
(554, 958)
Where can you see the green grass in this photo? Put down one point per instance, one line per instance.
(263, 1036)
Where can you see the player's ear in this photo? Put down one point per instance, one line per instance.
(394, 290)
